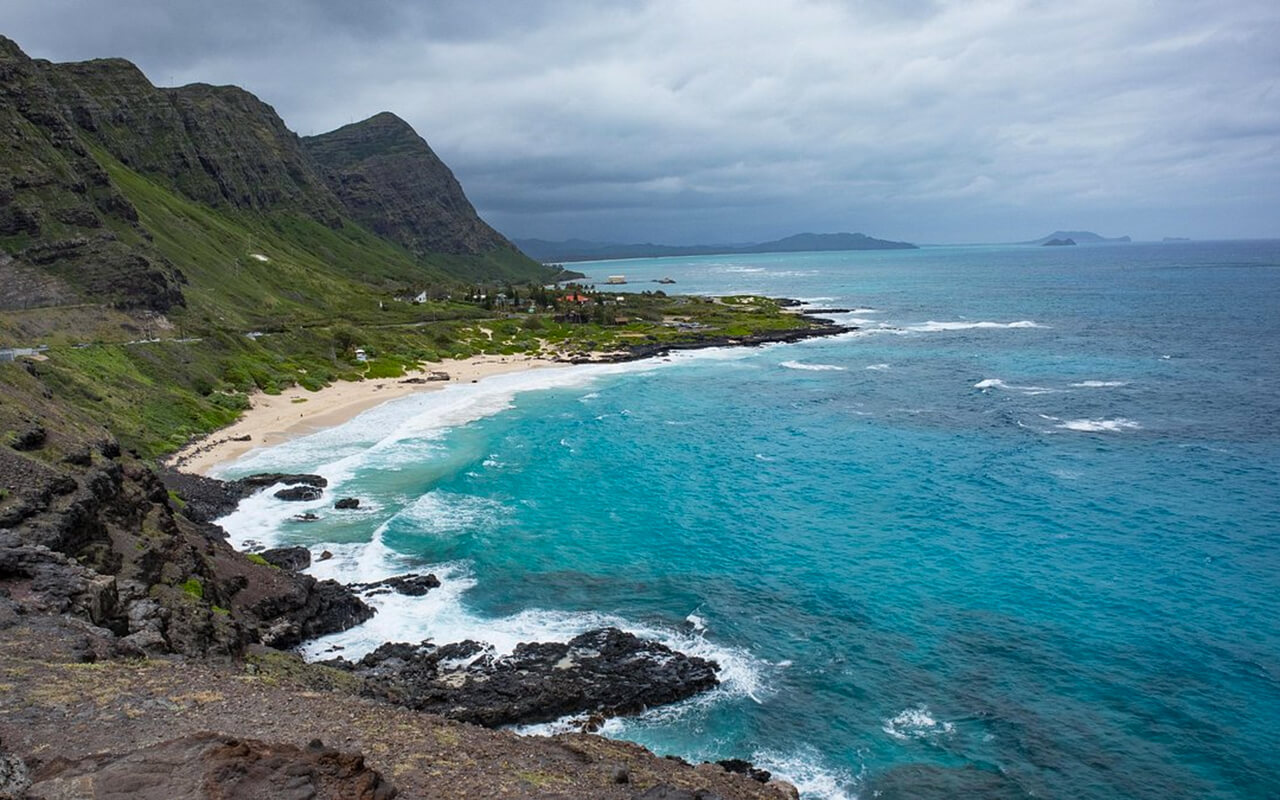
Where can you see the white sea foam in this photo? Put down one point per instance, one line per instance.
(916, 723)
(808, 771)
(1100, 425)
(811, 367)
(442, 616)
(877, 367)
(936, 327)
(996, 383)
(440, 513)
(1099, 384)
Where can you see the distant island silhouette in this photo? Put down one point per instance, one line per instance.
(1076, 237)
(583, 250)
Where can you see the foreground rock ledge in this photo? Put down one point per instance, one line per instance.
(222, 766)
(605, 672)
(55, 707)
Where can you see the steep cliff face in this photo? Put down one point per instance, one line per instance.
(393, 184)
(61, 218)
(218, 145)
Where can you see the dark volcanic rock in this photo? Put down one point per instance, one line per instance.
(347, 502)
(208, 499)
(215, 766)
(253, 483)
(294, 558)
(30, 439)
(743, 767)
(300, 493)
(818, 328)
(412, 584)
(605, 671)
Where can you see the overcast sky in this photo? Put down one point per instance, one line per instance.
(683, 121)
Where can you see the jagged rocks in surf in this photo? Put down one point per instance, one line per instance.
(604, 671)
(206, 498)
(347, 503)
(299, 493)
(411, 584)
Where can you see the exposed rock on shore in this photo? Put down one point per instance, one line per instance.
(90, 531)
(206, 499)
(411, 584)
(606, 671)
(237, 768)
(639, 351)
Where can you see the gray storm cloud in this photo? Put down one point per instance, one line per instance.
(732, 121)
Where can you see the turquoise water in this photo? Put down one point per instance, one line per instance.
(1021, 531)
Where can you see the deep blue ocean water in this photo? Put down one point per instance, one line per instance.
(1019, 535)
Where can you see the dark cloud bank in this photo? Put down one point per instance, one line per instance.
(740, 120)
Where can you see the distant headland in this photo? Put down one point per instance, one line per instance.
(583, 250)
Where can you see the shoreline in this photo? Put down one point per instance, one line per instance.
(272, 419)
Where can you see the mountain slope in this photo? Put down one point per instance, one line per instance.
(60, 213)
(391, 182)
(119, 196)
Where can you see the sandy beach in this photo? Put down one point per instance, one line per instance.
(272, 419)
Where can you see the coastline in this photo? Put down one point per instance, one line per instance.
(272, 419)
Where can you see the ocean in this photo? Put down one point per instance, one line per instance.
(1016, 536)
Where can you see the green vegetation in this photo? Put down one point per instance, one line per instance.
(156, 395)
(193, 587)
(259, 560)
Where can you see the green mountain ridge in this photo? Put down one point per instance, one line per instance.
(126, 197)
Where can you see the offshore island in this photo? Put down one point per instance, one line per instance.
(174, 261)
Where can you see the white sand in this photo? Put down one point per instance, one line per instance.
(272, 419)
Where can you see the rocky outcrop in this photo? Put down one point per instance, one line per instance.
(299, 494)
(412, 584)
(606, 672)
(817, 328)
(91, 532)
(294, 558)
(206, 499)
(215, 766)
